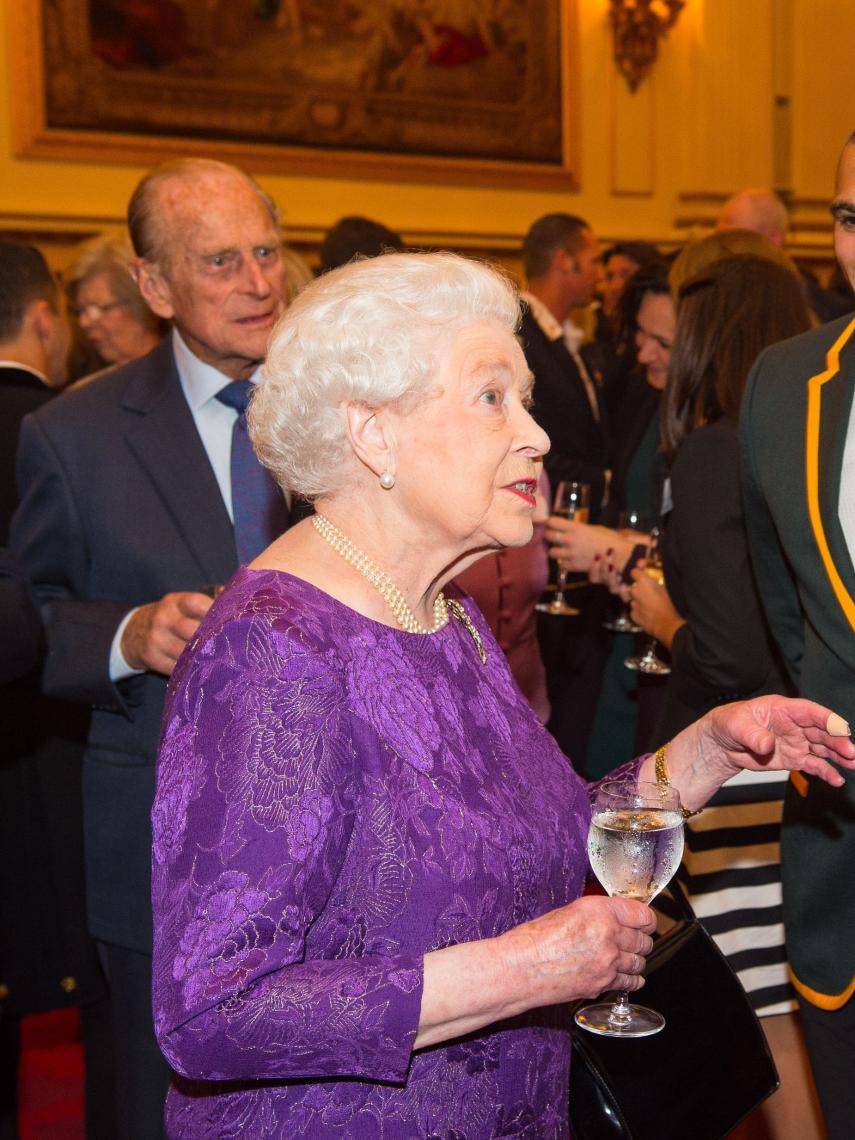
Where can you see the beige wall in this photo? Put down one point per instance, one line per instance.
(746, 92)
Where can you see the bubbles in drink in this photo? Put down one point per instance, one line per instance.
(635, 852)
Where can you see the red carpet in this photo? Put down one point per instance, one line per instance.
(51, 1078)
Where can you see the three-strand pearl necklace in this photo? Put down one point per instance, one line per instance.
(380, 580)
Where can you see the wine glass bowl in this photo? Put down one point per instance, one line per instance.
(635, 844)
(572, 501)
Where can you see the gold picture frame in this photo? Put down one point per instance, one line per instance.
(380, 89)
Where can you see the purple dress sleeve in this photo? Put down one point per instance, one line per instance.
(265, 784)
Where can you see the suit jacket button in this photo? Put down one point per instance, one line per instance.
(68, 984)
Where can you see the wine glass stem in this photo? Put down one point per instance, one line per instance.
(620, 1012)
(559, 593)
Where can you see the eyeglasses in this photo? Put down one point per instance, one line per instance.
(96, 311)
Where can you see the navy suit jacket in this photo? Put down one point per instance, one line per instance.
(119, 505)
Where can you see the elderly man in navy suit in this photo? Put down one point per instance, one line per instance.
(139, 494)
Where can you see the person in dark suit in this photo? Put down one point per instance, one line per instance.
(561, 258)
(47, 958)
(19, 622)
(133, 510)
(799, 488)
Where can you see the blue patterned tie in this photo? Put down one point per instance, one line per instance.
(259, 507)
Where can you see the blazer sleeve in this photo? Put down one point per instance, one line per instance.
(775, 582)
(48, 540)
(724, 646)
(258, 788)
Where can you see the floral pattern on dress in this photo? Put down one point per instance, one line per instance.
(335, 799)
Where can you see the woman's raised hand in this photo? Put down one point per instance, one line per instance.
(766, 734)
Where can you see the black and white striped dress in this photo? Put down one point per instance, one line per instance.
(731, 871)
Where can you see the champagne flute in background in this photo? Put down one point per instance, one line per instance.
(635, 844)
(571, 502)
(623, 623)
(649, 661)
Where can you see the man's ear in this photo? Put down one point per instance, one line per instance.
(52, 333)
(371, 436)
(153, 286)
(566, 261)
(42, 319)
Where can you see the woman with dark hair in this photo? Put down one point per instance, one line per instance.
(710, 617)
(727, 315)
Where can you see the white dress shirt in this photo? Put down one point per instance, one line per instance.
(25, 368)
(572, 336)
(200, 383)
(846, 499)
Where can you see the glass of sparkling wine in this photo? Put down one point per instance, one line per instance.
(635, 845)
(623, 623)
(650, 661)
(572, 502)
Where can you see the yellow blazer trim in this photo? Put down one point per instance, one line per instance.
(832, 360)
(800, 783)
(823, 1001)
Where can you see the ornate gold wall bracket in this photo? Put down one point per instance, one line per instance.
(638, 26)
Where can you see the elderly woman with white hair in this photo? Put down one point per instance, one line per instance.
(369, 855)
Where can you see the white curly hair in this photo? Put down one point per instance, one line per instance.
(370, 332)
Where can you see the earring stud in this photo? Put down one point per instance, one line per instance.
(387, 480)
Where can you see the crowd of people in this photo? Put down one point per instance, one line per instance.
(294, 759)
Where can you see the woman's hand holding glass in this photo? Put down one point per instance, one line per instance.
(571, 503)
(635, 844)
(591, 946)
(576, 545)
(651, 607)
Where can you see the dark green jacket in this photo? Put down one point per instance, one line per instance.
(795, 416)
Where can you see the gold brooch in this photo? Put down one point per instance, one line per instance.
(457, 611)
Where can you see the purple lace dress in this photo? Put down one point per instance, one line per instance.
(334, 799)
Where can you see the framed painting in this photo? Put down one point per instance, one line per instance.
(477, 91)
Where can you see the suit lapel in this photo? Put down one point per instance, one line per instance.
(162, 435)
(830, 395)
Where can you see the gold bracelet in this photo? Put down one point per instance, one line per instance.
(662, 777)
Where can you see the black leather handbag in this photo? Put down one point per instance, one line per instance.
(707, 1070)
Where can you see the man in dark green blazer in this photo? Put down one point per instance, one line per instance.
(798, 449)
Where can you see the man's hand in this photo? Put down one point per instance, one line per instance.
(157, 633)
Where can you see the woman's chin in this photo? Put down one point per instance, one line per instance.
(518, 535)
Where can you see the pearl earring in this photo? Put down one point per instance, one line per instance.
(387, 480)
